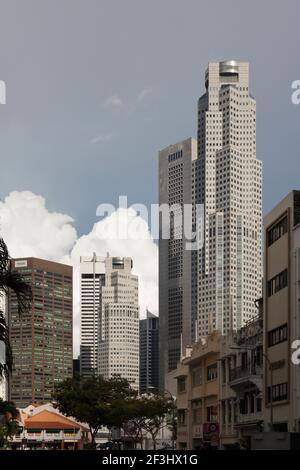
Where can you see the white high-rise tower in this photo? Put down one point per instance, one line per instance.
(229, 184)
(119, 322)
(92, 276)
(214, 288)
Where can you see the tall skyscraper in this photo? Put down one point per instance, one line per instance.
(229, 185)
(41, 339)
(214, 287)
(119, 321)
(92, 276)
(149, 355)
(176, 169)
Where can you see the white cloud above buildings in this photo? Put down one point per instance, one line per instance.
(30, 229)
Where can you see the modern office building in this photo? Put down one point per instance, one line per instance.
(41, 339)
(118, 352)
(216, 286)
(281, 315)
(149, 353)
(229, 181)
(176, 169)
(92, 276)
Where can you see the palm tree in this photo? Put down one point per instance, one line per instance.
(11, 280)
(9, 425)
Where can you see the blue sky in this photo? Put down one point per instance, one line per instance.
(95, 88)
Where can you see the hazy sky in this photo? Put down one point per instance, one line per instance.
(95, 88)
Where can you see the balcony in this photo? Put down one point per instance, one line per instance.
(245, 375)
(249, 420)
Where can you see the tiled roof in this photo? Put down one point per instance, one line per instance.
(52, 420)
(50, 425)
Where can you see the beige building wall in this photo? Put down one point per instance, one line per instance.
(281, 313)
(198, 395)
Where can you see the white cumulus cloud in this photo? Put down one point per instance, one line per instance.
(30, 229)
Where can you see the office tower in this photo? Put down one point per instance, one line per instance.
(149, 355)
(176, 169)
(119, 321)
(3, 379)
(281, 314)
(229, 185)
(41, 339)
(215, 286)
(92, 275)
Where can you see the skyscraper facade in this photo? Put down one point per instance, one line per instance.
(215, 286)
(229, 185)
(118, 352)
(176, 172)
(149, 353)
(92, 276)
(41, 339)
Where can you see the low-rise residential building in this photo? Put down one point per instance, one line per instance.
(281, 315)
(198, 395)
(241, 383)
(219, 389)
(42, 426)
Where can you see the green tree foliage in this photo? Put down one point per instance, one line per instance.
(8, 424)
(95, 401)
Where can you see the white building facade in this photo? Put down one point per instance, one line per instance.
(92, 275)
(119, 322)
(213, 287)
(228, 183)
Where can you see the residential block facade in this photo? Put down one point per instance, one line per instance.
(41, 339)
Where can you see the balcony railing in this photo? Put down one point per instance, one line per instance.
(249, 417)
(243, 371)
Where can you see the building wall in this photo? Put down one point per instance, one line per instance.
(92, 276)
(281, 313)
(119, 322)
(230, 187)
(149, 353)
(175, 267)
(217, 285)
(198, 395)
(41, 339)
